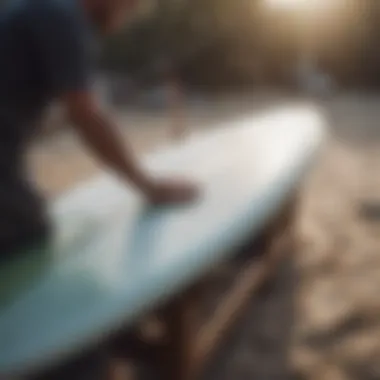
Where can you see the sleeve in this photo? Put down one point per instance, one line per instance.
(60, 41)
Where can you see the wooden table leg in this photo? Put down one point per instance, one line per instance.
(274, 243)
(175, 355)
(171, 352)
(280, 236)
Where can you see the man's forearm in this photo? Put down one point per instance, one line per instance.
(104, 139)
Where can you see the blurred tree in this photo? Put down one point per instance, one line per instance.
(188, 33)
(225, 42)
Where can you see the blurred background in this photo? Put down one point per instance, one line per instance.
(184, 65)
(222, 43)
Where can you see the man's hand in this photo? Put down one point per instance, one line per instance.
(171, 192)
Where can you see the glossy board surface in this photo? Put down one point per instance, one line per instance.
(114, 257)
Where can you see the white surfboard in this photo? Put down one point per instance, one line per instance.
(115, 257)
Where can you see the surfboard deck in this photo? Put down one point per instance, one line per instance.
(115, 257)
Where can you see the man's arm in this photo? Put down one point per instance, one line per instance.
(61, 42)
(103, 138)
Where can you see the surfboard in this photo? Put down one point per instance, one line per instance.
(115, 257)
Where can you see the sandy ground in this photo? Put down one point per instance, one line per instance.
(320, 319)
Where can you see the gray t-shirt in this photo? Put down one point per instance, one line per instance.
(46, 50)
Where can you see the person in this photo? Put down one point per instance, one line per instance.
(48, 49)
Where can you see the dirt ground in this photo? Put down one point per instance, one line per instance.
(321, 318)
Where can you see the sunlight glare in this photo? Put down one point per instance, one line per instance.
(296, 4)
